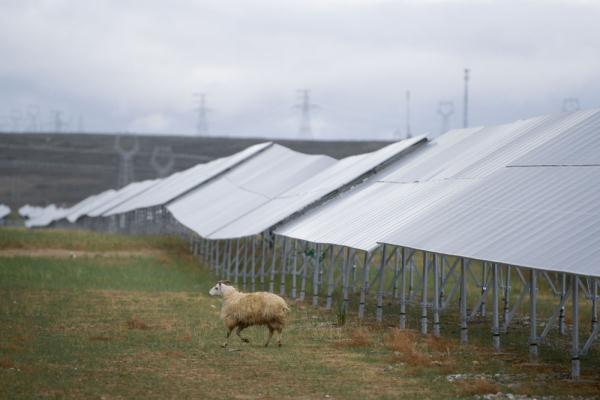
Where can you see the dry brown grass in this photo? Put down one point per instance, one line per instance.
(359, 337)
(136, 323)
(5, 363)
(407, 347)
(101, 338)
(477, 387)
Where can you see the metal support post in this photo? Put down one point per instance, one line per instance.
(273, 266)
(396, 272)
(363, 290)
(403, 291)
(563, 293)
(506, 303)
(436, 294)
(484, 278)
(353, 272)
(495, 317)
(424, 296)
(379, 312)
(229, 246)
(346, 278)
(594, 303)
(217, 265)
(237, 261)
(464, 332)
(283, 268)
(316, 272)
(442, 282)
(575, 366)
(304, 272)
(411, 278)
(533, 339)
(294, 267)
(330, 278)
(245, 266)
(263, 256)
(253, 270)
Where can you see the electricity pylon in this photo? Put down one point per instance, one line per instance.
(202, 110)
(164, 167)
(305, 106)
(445, 110)
(125, 174)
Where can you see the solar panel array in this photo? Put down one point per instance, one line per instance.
(521, 193)
(4, 211)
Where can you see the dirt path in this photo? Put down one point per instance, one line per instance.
(65, 253)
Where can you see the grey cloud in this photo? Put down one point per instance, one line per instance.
(130, 65)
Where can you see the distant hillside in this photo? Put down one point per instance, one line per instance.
(41, 169)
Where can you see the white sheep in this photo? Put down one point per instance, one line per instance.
(241, 310)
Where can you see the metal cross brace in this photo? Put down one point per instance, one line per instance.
(553, 318)
(380, 271)
(590, 340)
(518, 303)
(550, 283)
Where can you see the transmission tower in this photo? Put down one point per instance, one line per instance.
(305, 106)
(80, 124)
(59, 122)
(445, 110)
(15, 119)
(397, 134)
(466, 101)
(164, 167)
(202, 110)
(408, 132)
(125, 174)
(33, 118)
(570, 104)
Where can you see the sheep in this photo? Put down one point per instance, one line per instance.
(241, 310)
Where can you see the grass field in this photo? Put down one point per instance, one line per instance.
(85, 315)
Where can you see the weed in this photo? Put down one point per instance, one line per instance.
(341, 315)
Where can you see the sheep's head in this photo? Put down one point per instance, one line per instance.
(220, 288)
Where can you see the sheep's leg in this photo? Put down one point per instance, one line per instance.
(238, 331)
(226, 342)
(279, 337)
(270, 336)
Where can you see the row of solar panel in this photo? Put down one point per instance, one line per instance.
(523, 193)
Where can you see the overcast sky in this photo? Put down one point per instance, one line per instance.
(134, 65)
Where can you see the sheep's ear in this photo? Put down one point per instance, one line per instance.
(226, 282)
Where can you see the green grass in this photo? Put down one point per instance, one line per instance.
(143, 326)
(22, 238)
